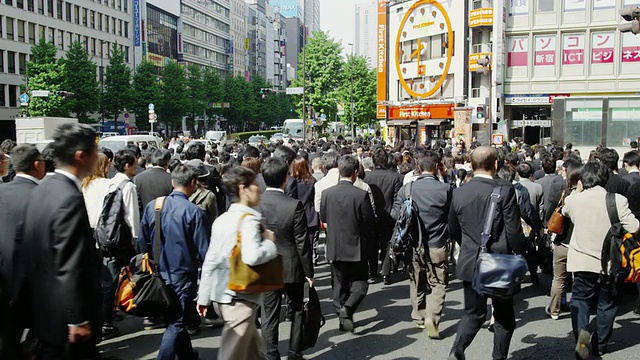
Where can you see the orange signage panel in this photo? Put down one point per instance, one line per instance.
(382, 55)
(381, 111)
(444, 111)
(481, 17)
(473, 59)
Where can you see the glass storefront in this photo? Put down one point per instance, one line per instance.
(583, 121)
(624, 123)
(162, 34)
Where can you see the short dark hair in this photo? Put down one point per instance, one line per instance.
(609, 157)
(236, 176)
(70, 138)
(49, 159)
(7, 146)
(380, 158)
(274, 172)
(195, 150)
(107, 152)
(594, 173)
(23, 157)
(123, 157)
(484, 158)
(508, 172)
(529, 153)
(631, 158)
(633, 144)
(144, 145)
(183, 175)
(287, 154)
(512, 159)
(251, 151)
(173, 164)
(161, 157)
(429, 160)
(136, 150)
(347, 165)
(524, 170)
(330, 160)
(548, 164)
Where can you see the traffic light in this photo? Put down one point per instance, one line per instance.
(484, 65)
(631, 14)
(480, 112)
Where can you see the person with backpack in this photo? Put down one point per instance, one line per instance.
(431, 198)
(116, 231)
(587, 210)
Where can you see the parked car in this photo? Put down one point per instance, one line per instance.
(276, 137)
(115, 143)
(255, 140)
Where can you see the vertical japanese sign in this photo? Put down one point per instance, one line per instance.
(602, 47)
(136, 22)
(545, 50)
(518, 7)
(603, 4)
(630, 48)
(382, 57)
(573, 49)
(518, 52)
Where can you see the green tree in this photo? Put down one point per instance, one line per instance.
(174, 102)
(242, 101)
(117, 94)
(324, 68)
(213, 90)
(80, 78)
(362, 81)
(45, 72)
(145, 91)
(197, 94)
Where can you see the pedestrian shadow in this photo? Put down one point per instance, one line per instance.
(384, 344)
(545, 347)
(625, 336)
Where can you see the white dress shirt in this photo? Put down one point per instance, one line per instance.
(29, 177)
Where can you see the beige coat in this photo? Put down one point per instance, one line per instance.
(588, 212)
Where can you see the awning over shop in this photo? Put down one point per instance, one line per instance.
(434, 122)
(407, 122)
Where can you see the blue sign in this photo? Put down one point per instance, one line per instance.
(24, 98)
(287, 8)
(136, 22)
(109, 126)
(323, 116)
(151, 107)
(230, 49)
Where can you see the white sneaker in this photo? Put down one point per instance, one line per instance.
(552, 316)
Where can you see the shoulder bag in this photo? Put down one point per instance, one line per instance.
(497, 275)
(245, 279)
(555, 225)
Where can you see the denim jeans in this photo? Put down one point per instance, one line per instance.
(176, 341)
(110, 272)
(592, 289)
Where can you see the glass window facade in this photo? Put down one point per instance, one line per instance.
(162, 33)
(583, 122)
(624, 120)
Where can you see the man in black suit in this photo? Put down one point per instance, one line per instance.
(14, 196)
(615, 184)
(631, 161)
(155, 181)
(286, 218)
(552, 185)
(61, 258)
(288, 155)
(7, 147)
(466, 219)
(350, 220)
(385, 185)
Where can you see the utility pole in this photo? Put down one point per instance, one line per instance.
(353, 127)
(304, 80)
(102, 83)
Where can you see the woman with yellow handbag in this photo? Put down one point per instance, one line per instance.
(241, 264)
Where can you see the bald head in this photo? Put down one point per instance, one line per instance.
(484, 159)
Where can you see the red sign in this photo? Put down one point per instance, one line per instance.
(545, 50)
(573, 49)
(631, 54)
(553, 96)
(602, 48)
(444, 111)
(518, 51)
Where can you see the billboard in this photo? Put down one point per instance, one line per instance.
(287, 8)
(136, 23)
(382, 58)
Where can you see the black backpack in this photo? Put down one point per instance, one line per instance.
(406, 231)
(112, 231)
(312, 318)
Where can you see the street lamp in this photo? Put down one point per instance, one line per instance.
(102, 82)
(353, 128)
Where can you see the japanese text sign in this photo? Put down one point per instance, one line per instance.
(518, 51)
(630, 48)
(518, 7)
(602, 47)
(545, 50)
(573, 49)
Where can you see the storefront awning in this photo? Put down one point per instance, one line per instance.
(408, 122)
(433, 122)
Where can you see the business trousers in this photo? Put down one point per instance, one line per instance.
(559, 278)
(240, 338)
(110, 272)
(427, 285)
(76, 351)
(475, 313)
(271, 305)
(176, 341)
(589, 288)
(350, 284)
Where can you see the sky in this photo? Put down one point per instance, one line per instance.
(337, 18)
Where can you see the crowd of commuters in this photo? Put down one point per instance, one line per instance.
(275, 200)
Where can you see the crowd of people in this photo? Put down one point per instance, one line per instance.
(58, 278)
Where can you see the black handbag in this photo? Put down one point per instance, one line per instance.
(312, 319)
(497, 275)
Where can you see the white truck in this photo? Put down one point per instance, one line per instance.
(38, 129)
(218, 137)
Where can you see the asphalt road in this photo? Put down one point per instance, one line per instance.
(385, 330)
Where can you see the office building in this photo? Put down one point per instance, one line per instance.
(238, 37)
(96, 24)
(365, 35)
(312, 15)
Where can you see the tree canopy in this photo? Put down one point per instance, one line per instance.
(81, 77)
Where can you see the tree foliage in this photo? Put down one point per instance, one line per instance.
(45, 72)
(364, 91)
(81, 80)
(144, 92)
(242, 101)
(173, 104)
(117, 94)
(197, 102)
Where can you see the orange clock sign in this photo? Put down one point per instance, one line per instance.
(436, 21)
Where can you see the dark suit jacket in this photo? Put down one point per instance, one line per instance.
(469, 207)
(152, 183)
(632, 178)
(384, 185)
(286, 218)
(291, 190)
(63, 268)
(11, 174)
(617, 184)
(350, 222)
(14, 197)
(306, 195)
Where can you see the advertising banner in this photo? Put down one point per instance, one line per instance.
(573, 49)
(630, 48)
(473, 59)
(518, 7)
(136, 22)
(545, 50)
(518, 52)
(382, 56)
(462, 125)
(602, 47)
(481, 17)
(286, 8)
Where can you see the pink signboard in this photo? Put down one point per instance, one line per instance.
(518, 51)
(630, 48)
(545, 50)
(602, 48)
(573, 49)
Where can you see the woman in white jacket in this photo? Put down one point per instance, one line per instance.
(240, 337)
